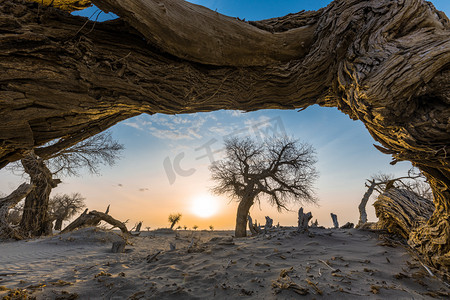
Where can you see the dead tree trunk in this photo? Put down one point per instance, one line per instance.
(58, 224)
(138, 227)
(410, 216)
(8, 202)
(93, 218)
(242, 216)
(385, 62)
(253, 227)
(35, 219)
(400, 211)
(362, 205)
(335, 220)
(269, 223)
(303, 220)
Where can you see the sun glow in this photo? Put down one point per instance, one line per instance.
(204, 206)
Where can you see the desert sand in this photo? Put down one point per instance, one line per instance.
(165, 264)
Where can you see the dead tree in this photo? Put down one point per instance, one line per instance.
(414, 182)
(279, 169)
(383, 62)
(36, 220)
(93, 218)
(64, 207)
(8, 202)
(364, 200)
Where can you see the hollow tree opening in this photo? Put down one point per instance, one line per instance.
(386, 63)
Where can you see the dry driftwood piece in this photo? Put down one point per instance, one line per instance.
(8, 202)
(383, 62)
(400, 211)
(335, 220)
(303, 220)
(284, 282)
(93, 218)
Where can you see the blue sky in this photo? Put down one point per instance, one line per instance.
(145, 184)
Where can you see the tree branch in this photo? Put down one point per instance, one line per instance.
(198, 34)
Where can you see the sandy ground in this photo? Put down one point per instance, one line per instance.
(326, 263)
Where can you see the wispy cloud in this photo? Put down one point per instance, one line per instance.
(179, 127)
(203, 125)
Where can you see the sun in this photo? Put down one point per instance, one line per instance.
(204, 206)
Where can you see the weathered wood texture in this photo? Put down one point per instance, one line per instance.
(8, 202)
(386, 63)
(68, 5)
(407, 214)
(231, 43)
(399, 211)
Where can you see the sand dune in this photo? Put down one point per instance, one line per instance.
(326, 263)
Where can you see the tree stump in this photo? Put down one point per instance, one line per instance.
(335, 220)
(254, 228)
(303, 220)
(118, 247)
(269, 223)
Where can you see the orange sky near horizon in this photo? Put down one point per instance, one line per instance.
(138, 187)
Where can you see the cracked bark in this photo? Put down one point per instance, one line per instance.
(385, 63)
(35, 218)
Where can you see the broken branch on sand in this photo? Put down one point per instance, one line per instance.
(331, 268)
(93, 218)
(153, 257)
